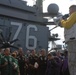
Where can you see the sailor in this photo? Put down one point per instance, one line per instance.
(16, 69)
(3, 63)
(10, 66)
(33, 64)
(21, 61)
(42, 61)
(69, 25)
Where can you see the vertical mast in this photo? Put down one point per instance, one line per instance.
(39, 4)
(39, 9)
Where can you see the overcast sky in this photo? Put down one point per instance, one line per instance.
(63, 4)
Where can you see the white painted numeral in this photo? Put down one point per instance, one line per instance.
(28, 37)
(18, 30)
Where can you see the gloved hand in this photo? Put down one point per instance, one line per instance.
(65, 16)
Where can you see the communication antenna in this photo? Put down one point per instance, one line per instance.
(53, 44)
(39, 4)
(34, 2)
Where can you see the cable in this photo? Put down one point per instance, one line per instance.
(54, 27)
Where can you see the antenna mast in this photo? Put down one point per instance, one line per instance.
(39, 4)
